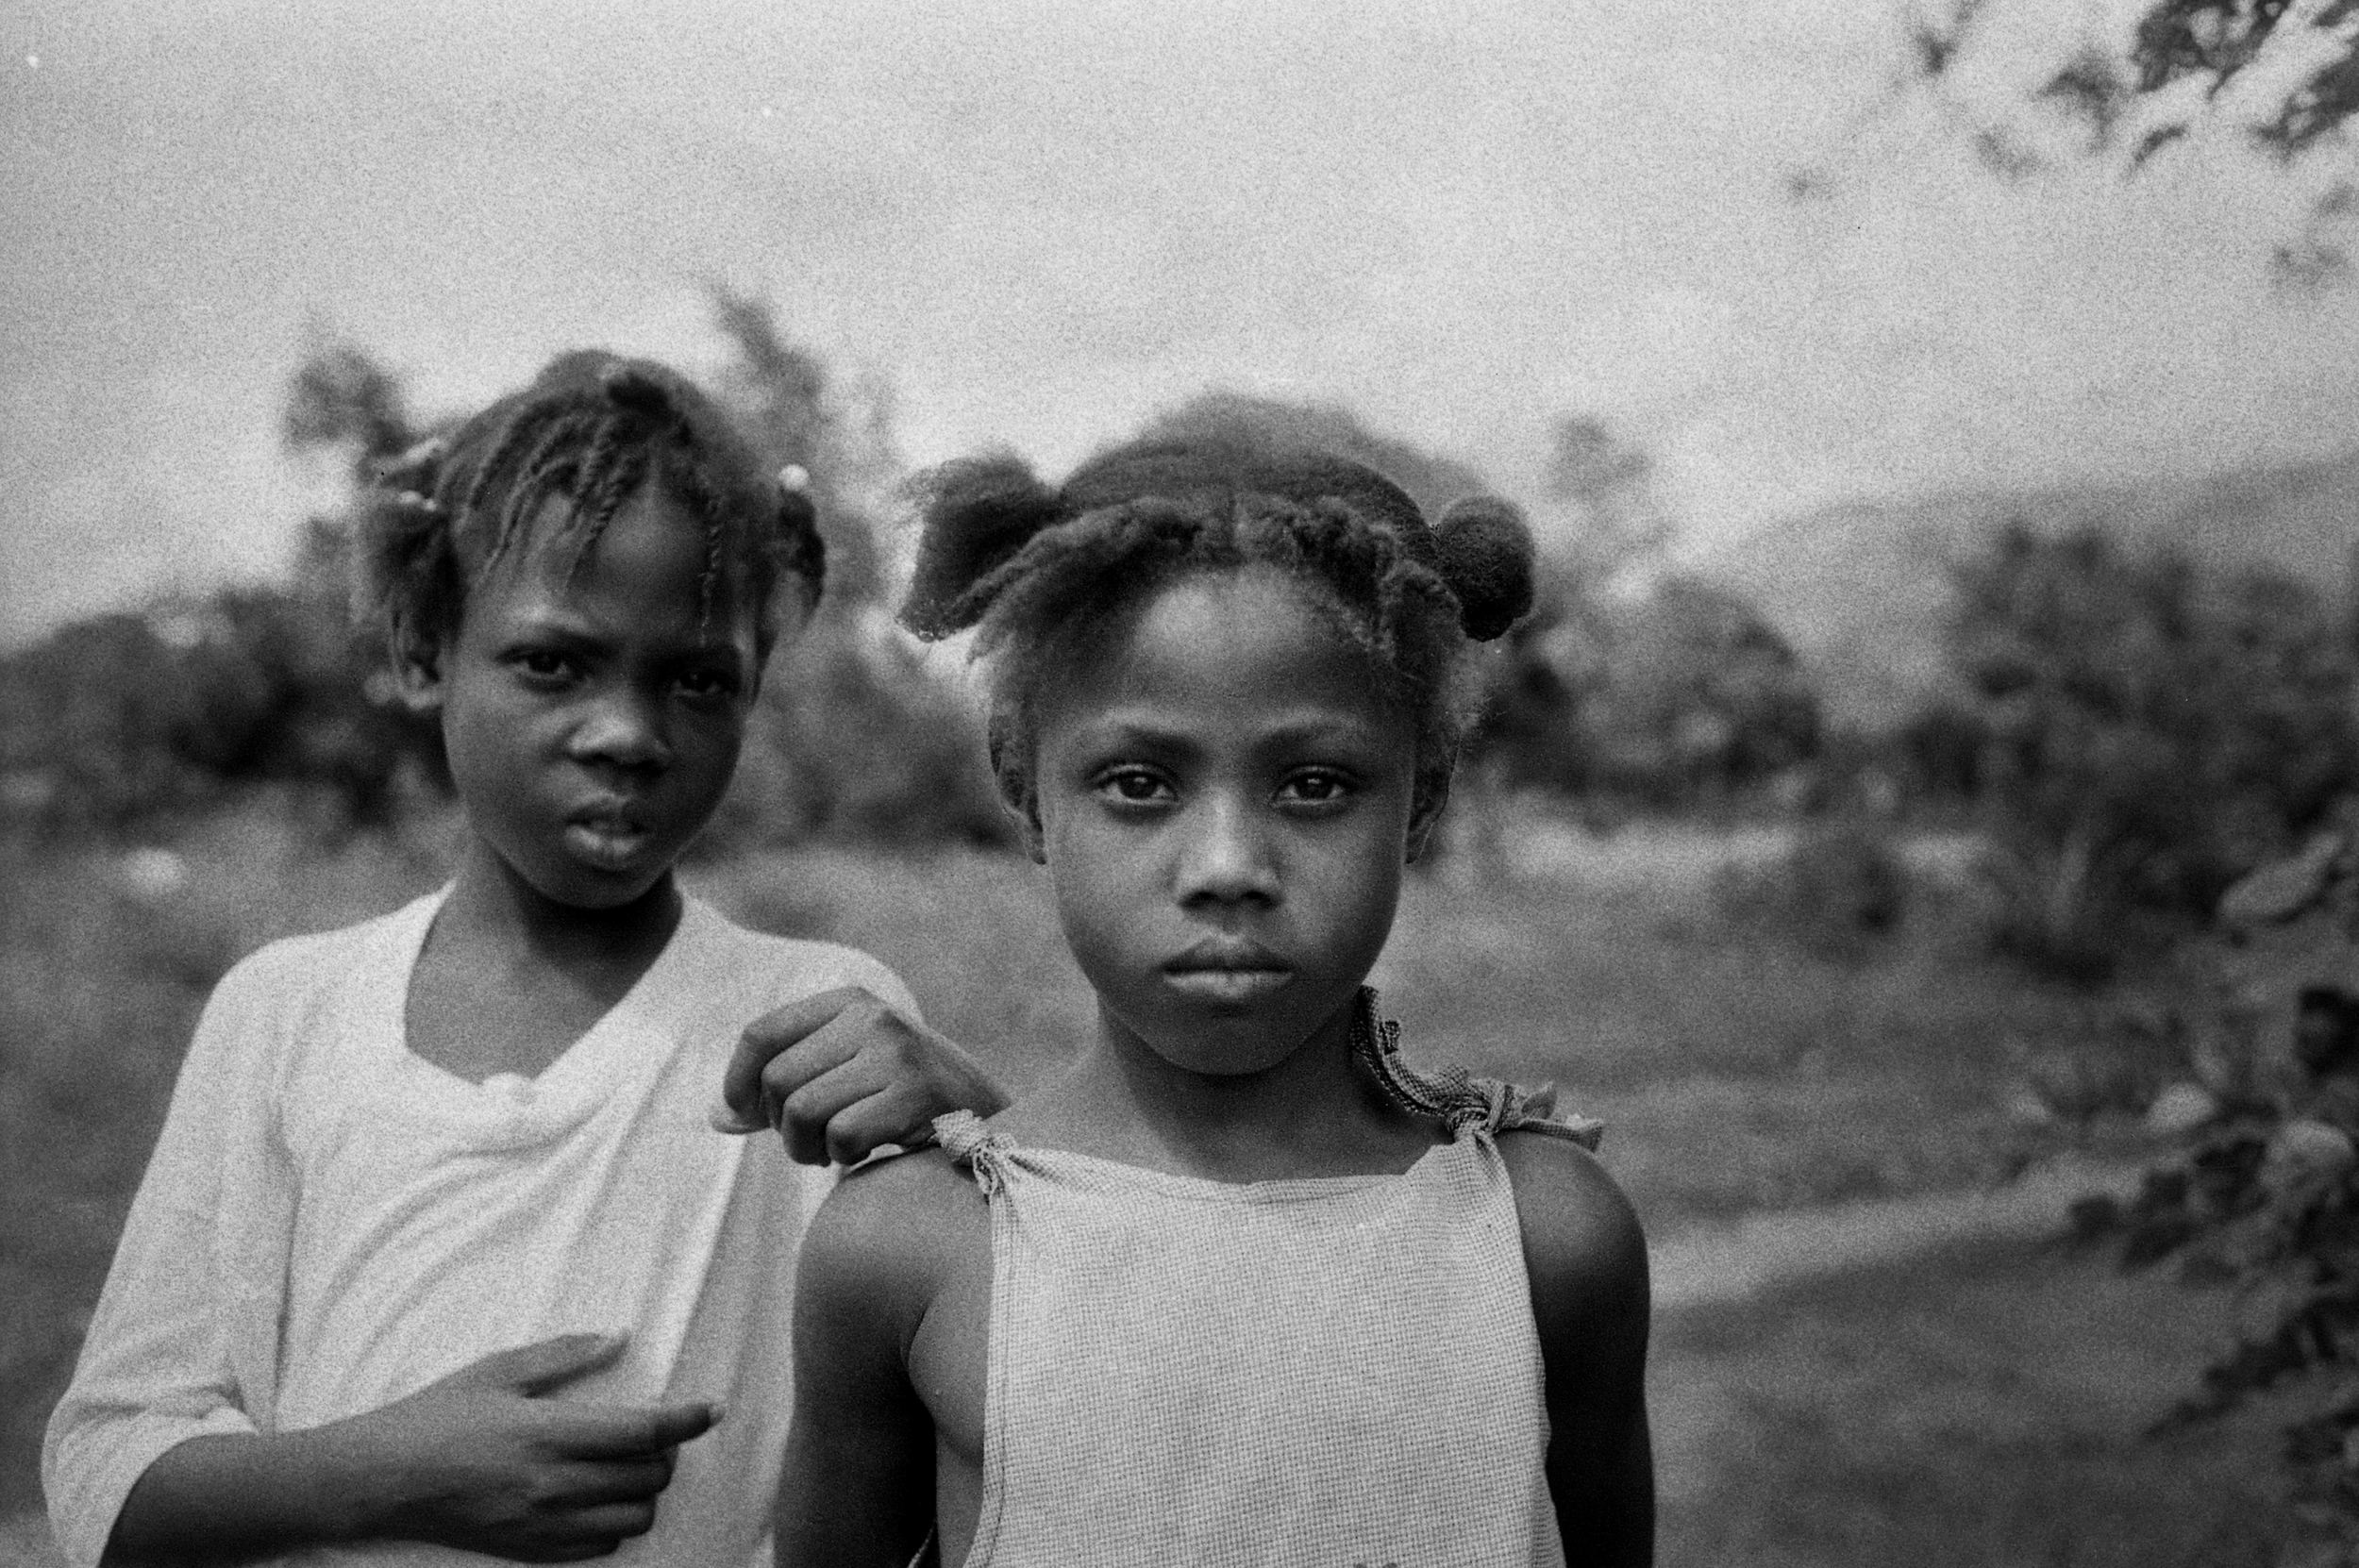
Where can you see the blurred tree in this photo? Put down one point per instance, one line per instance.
(340, 400)
(784, 398)
(110, 722)
(1673, 698)
(1629, 683)
(2134, 731)
(856, 737)
(1608, 486)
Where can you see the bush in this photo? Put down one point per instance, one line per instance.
(1681, 698)
(2133, 733)
(857, 741)
(1841, 887)
(113, 723)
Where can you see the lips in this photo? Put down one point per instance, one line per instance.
(1229, 970)
(607, 837)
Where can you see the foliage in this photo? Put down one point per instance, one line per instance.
(1841, 887)
(855, 738)
(2176, 60)
(2266, 1199)
(340, 400)
(2133, 732)
(2281, 74)
(1608, 486)
(111, 722)
(1679, 697)
(784, 398)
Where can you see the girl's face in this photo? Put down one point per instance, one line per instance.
(1224, 804)
(593, 716)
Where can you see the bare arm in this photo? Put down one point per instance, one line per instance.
(482, 1460)
(1587, 1260)
(858, 1487)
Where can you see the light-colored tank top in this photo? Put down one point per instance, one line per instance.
(1333, 1371)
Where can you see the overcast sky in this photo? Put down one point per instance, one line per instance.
(1043, 222)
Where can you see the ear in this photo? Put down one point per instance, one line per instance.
(418, 668)
(1011, 771)
(1431, 792)
(1022, 801)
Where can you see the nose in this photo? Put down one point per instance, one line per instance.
(1226, 858)
(624, 729)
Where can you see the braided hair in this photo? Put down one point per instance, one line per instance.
(1038, 572)
(591, 430)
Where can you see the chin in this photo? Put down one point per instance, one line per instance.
(580, 888)
(1227, 1045)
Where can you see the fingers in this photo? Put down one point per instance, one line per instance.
(630, 1431)
(805, 1118)
(896, 1113)
(618, 1521)
(586, 1532)
(767, 1057)
(628, 1480)
(548, 1364)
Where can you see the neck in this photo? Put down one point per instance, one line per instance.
(501, 913)
(1315, 1112)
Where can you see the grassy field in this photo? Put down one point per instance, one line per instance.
(1975, 1408)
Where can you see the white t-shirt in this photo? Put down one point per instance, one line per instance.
(329, 1223)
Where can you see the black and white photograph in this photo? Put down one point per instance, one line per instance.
(1080, 784)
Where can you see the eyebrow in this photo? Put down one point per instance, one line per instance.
(563, 627)
(1119, 728)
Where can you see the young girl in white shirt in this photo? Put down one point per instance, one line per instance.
(439, 1253)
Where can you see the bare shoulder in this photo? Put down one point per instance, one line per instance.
(1583, 1247)
(894, 1230)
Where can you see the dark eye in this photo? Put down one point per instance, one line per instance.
(1134, 785)
(545, 664)
(708, 685)
(1315, 787)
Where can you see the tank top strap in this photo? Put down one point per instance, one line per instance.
(1459, 1099)
(983, 1153)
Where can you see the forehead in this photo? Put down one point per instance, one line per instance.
(650, 568)
(1227, 652)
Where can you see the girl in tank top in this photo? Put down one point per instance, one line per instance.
(1242, 1288)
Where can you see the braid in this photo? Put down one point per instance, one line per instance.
(539, 476)
(509, 436)
(1039, 572)
(595, 431)
(698, 495)
(609, 472)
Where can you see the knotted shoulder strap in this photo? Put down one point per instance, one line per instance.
(1455, 1096)
(983, 1153)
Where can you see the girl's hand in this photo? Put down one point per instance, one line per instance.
(840, 1073)
(486, 1461)
(483, 1461)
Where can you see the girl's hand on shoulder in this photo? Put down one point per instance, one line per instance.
(840, 1073)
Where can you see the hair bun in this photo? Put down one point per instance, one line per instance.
(635, 387)
(977, 513)
(1485, 556)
